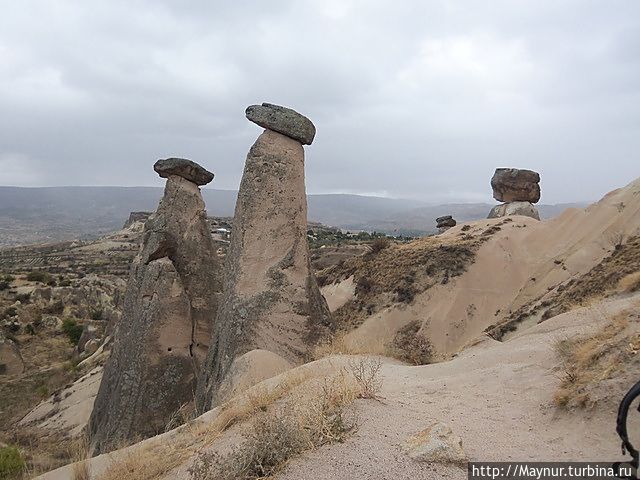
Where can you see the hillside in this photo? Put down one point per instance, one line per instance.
(53, 214)
(529, 325)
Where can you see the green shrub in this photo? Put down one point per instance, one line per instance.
(4, 285)
(10, 312)
(11, 462)
(72, 329)
(96, 314)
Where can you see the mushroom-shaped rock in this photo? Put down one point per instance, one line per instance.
(282, 120)
(183, 168)
(271, 299)
(445, 221)
(163, 337)
(515, 185)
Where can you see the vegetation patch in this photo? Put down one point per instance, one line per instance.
(594, 366)
(397, 273)
(72, 329)
(619, 272)
(276, 437)
(11, 463)
(411, 346)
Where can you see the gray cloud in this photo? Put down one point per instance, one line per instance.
(411, 99)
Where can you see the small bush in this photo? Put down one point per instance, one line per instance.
(42, 391)
(411, 346)
(10, 312)
(72, 329)
(367, 374)
(379, 244)
(55, 308)
(11, 462)
(38, 276)
(4, 285)
(275, 438)
(23, 297)
(405, 294)
(364, 285)
(96, 314)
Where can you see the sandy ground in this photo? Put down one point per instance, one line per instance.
(517, 264)
(496, 396)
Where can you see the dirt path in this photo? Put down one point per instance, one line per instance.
(496, 396)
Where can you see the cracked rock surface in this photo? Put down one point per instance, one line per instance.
(271, 300)
(162, 339)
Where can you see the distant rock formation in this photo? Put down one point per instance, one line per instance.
(445, 222)
(515, 185)
(136, 217)
(271, 299)
(170, 302)
(11, 362)
(514, 208)
(518, 189)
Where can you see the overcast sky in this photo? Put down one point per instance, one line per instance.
(420, 99)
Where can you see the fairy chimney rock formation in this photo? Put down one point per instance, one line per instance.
(169, 307)
(444, 223)
(282, 120)
(271, 299)
(519, 189)
(515, 185)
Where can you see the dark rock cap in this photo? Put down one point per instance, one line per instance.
(515, 185)
(444, 218)
(183, 168)
(282, 120)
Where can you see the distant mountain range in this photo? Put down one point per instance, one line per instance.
(48, 214)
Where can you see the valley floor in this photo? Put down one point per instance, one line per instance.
(497, 397)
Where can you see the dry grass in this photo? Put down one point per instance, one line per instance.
(398, 273)
(339, 344)
(153, 461)
(366, 372)
(79, 453)
(322, 416)
(629, 283)
(589, 361)
(316, 415)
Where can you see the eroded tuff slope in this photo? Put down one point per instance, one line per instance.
(506, 264)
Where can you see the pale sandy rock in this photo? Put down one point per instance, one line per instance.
(164, 334)
(68, 410)
(251, 368)
(89, 333)
(91, 346)
(436, 443)
(271, 300)
(11, 362)
(514, 208)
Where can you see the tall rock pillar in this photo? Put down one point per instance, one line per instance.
(271, 299)
(169, 307)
